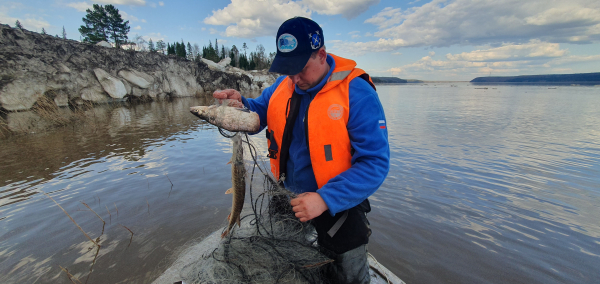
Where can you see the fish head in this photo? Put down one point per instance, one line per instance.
(199, 111)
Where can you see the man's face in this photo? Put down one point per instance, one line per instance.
(313, 72)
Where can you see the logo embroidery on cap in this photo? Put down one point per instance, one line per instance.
(286, 43)
(335, 111)
(315, 40)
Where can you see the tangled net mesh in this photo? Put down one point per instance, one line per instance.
(271, 246)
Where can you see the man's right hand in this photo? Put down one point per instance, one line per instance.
(232, 97)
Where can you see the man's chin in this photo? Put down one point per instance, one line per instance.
(304, 87)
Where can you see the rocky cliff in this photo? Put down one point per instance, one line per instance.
(68, 72)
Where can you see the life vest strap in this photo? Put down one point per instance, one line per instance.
(339, 75)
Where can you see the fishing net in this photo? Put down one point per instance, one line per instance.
(271, 246)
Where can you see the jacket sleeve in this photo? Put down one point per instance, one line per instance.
(371, 160)
(261, 104)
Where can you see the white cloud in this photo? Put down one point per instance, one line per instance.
(474, 22)
(533, 49)
(138, 28)
(153, 5)
(347, 8)
(509, 59)
(83, 6)
(368, 34)
(80, 6)
(35, 24)
(155, 37)
(250, 18)
(161, 3)
(561, 70)
(29, 22)
(213, 31)
(386, 18)
(360, 48)
(432, 53)
(573, 59)
(123, 2)
(143, 20)
(394, 71)
(128, 17)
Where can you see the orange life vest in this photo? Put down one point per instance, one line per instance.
(328, 140)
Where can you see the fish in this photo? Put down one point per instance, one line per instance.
(238, 182)
(229, 118)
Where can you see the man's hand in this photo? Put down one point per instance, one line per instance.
(308, 206)
(230, 96)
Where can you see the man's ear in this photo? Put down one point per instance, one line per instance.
(322, 56)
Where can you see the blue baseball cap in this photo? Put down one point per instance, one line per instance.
(297, 38)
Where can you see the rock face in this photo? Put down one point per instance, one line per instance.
(69, 72)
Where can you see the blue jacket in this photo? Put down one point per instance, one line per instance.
(368, 135)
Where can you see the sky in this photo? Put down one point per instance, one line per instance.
(439, 40)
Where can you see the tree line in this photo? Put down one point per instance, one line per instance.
(104, 23)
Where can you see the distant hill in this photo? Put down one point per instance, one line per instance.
(582, 78)
(388, 80)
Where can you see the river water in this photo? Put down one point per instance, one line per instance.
(496, 185)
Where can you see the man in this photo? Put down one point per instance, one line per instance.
(327, 141)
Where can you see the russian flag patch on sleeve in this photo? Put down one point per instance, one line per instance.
(382, 124)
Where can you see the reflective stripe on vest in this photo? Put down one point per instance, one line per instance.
(329, 143)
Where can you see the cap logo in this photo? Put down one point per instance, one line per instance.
(335, 111)
(315, 40)
(286, 43)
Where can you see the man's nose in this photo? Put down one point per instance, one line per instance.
(295, 78)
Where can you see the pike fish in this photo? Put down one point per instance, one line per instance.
(238, 181)
(229, 118)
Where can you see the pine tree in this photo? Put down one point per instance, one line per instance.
(151, 46)
(243, 62)
(216, 48)
(160, 46)
(190, 54)
(170, 49)
(211, 53)
(64, 34)
(104, 23)
(223, 54)
(233, 55)
(18, 25)
(179, 49)
(44, 31)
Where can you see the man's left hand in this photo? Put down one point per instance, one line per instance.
(308, 206)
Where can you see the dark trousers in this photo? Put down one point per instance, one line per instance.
(349, 267)
(348, 246)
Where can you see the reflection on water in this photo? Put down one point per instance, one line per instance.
(486, 186)
(498, 185)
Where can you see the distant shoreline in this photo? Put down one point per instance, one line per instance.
(549, 79)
